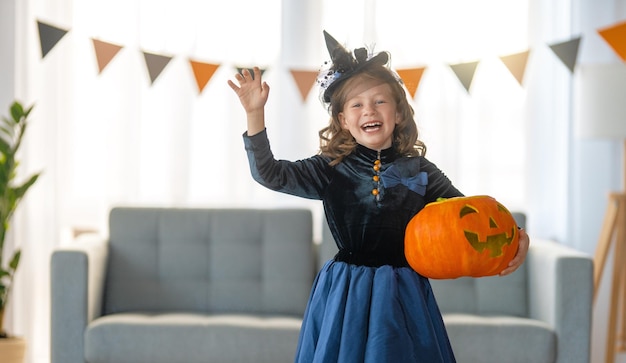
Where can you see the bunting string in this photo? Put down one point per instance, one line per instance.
(566, 51)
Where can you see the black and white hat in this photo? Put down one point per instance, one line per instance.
(345, 64)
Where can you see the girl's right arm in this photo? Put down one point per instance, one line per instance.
(305, 178)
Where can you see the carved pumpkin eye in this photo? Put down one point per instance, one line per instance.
(468, 209)
(478, 237)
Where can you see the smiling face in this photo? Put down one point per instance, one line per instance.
(370, 115)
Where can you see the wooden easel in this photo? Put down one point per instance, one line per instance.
(614, 230)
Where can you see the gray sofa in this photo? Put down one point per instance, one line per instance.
(231, 285)
(184, 285)
(541, 313)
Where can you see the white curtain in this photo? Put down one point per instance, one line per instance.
(114, 138)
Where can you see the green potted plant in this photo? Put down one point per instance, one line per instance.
(12, 131)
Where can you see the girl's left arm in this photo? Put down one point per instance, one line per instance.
(440, 186)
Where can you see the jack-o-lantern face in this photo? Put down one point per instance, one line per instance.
(496, 237)
(466, 236)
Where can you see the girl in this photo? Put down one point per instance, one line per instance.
(366, 304)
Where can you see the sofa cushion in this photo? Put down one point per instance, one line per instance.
(497, 339)
(493, 295)
(191, 338)
(209, 261)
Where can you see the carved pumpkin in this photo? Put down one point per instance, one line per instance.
(465, 236)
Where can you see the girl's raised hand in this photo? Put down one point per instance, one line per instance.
(252, 92)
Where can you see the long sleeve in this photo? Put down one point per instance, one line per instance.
(307, 178)
(439, 186)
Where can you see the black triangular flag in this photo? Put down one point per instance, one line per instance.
(465, 73)
(155, 63)
(49, 36)
(567, 52)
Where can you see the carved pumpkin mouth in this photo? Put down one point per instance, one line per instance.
(494, 242)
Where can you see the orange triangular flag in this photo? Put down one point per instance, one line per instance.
(616, 37)
(304, 80)
(49, 36)
(411, 78)
(203, 72)
(104, 53)
(465, 73)
(155, 63)
(516, 63)
(567, 52)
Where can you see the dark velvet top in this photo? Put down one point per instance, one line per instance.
(368, 229)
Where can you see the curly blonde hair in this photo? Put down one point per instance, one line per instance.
(337, 142)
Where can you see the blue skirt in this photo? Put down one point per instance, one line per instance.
(372, 314)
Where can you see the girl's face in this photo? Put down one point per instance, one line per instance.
(370, 115)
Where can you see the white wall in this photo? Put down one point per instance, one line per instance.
(7, 59)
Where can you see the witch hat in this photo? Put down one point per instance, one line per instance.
(345, 64)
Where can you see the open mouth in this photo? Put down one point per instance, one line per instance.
(371, 126)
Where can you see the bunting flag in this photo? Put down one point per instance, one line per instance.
(516, 64)
(155, 63)
(240, 69)
(615, 36)
(49, 36)
(465, 73)
(411, 78)
(304, 80)
(567, 52)
(104, 53)
(202, 72)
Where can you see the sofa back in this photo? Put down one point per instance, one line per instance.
(209, 260)
(492, 295)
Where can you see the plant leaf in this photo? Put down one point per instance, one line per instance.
(27, 111)
(15, 261)
(17, 112)
(22, 189)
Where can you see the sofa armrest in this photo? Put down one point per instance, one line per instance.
(77, 274)
(560, 287)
